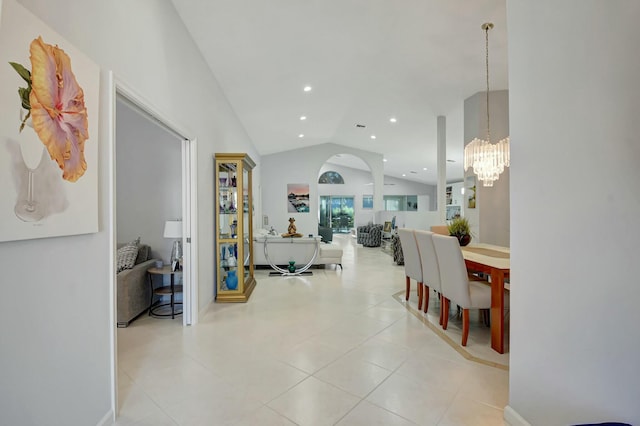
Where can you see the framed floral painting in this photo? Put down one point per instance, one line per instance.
(48, 131)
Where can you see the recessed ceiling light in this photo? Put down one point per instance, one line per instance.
(307, 88)
(384, 159)
(393, 120)
(301, 135)
(403, 175)
(360, 126)
(414, 172)
(303, 117)
(424, 168)
(373, 136)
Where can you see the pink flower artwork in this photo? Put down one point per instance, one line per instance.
(58, 110)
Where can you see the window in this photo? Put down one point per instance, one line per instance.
(396, 203)
(367, 201)
(331, 178)
(412, 203)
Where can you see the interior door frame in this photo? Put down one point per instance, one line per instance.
(113, 89)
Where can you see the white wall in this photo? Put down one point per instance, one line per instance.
(148, 180)
(574, 103)
(55, 355)
(303, 166)
(490, 218)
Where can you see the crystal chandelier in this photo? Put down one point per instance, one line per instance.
(487, 160)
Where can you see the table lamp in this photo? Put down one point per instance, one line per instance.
(173, 229)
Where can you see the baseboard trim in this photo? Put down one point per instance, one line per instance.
(512, 418)
(107, 420)
(202, 310)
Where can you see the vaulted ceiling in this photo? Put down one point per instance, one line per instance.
(366, 61)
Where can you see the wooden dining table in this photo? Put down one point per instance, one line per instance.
(494, 261)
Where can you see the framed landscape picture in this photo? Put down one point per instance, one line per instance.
(298, 198)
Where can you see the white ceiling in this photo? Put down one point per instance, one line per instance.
(366, 60)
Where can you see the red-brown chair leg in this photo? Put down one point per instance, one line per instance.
(425, 294)
(445, 312)
(420, 291)
(408, 288)
(465, 326)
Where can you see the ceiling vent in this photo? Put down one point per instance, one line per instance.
(360, 126)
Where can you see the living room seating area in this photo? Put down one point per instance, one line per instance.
(134, 292)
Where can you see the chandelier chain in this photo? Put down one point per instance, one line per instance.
(486, 43)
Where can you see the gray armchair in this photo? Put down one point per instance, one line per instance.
(370, 235)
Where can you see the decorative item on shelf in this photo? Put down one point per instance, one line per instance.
(223, 255)
(472, 198)
(233, 181)
(231, 259)
(292, 266)
(460, 228)
(232, 280)
(233, 227)
(291, 230)
(487, 160)
(223, 181)
(173, 229)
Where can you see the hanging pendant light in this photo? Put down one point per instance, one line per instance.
(487, 160)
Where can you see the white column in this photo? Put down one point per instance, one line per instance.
(442, 168)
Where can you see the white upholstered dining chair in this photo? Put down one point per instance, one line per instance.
(430, 269)
(412, 266)
(455, 283)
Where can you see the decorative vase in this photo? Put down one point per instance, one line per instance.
(464, 240)
(232, 280)
(292, 266)
(29, 209)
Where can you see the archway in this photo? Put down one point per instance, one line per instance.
(346, 192)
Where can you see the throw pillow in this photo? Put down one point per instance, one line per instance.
(143, 253)
(126, 256)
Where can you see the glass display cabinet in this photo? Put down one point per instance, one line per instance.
(234, 227)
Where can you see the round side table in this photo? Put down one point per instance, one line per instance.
(164, 290)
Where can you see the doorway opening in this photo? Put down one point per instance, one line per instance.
(153, 183)
(337, 212)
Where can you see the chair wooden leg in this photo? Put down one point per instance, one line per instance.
(441, 307)
(445, 312)
(465, 326)
(425, 294)
(420, 291)
(408, 288)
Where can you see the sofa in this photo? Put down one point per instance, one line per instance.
(132, 286)
(369, 235)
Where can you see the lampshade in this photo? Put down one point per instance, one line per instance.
(173, 229)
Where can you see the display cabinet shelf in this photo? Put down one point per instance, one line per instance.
(234, 223)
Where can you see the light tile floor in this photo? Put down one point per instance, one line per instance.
(336, 348)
